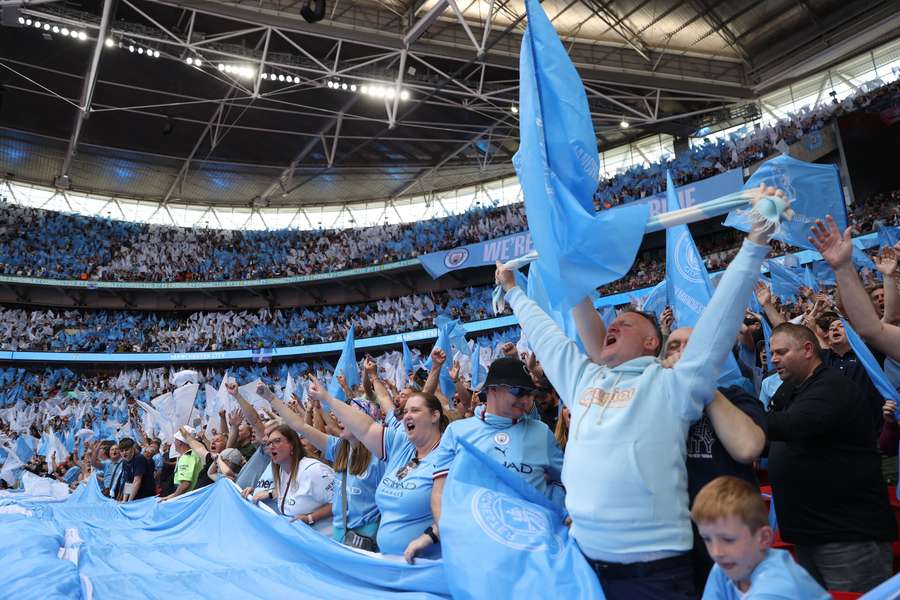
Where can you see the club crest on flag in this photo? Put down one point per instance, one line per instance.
(514, 523)
(686, 260)
(455, 258)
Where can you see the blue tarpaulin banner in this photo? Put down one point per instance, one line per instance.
(210, 543)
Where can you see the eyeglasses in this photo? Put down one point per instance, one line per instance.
(275, 442)
(515, 390)
(407, 468)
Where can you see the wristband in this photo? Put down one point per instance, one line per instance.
(430, 533)
(309, 520)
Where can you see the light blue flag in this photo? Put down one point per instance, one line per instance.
(888, 236)
(23, 450)
(766, 328)
(823, 273)
(809, 280)
(688, 288)
(785, 282)
(888, 589)
(608, 315)
(814, 189)
(873, 369)
(861, 260)
(444, 327)
(561, 315)
(347, 367)
(407, 360)
(517, 534)
(558, 167)
(655, 301)
(478, 372)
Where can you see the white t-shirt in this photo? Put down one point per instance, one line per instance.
(311, 488)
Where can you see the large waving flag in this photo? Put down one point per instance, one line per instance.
(814, 191)
(688, 288)
(558, 167)
(873, 369)
(449, 330)
(786, 282)
(407, 363)
(347, 367)
(517, 534)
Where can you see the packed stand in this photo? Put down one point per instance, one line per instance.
(38, 243)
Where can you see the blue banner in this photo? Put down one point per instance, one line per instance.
(697, 192)
(480, 254)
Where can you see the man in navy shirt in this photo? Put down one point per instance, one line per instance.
(137, 473)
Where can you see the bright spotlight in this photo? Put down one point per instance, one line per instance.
(73, 34)
(197, 61)
(353, 88)
(189, 60)
(82, 36)
(46, 26)
(296, 79)
(514, 109)
(624, 124)
(265, 75)
(364, 89)
(55, 29)
(37, 24)
(109, 42)
(404, 95)
(131, 48)
(140, 50)
(221, 67)
(64, 31)
(28, 22)
(390, 93)
(22, 21)
(343, 86)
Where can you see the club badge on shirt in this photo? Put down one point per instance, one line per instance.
(501, 438)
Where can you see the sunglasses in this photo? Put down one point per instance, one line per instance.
(515, 390)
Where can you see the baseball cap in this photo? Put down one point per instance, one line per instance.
(180, 437)
(508, 371)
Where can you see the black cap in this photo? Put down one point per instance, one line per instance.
(508, 371)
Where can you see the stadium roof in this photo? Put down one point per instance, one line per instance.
(264, 120)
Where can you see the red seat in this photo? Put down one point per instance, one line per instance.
(845, 595)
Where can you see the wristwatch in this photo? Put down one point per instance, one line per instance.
(309, 519)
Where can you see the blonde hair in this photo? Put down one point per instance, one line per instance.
(725, 497)
(562, 433)
(361, 458)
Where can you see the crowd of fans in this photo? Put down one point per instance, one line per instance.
(290, 444)
(39, 243)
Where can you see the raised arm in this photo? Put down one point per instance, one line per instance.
(223, 423)
(590, 327)
(886, 262)
(292, 419)
(198, 448)
(764, 297)
(235, 417)
(837, 250)
(434, 375)
(695, 374)
(363, 427)
(381, 394)
(249, 412)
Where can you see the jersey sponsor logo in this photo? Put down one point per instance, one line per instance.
(398, 485)
(456, 257)
(501, 438)
(618, 399)
(514, 523)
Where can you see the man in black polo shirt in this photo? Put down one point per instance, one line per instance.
(824, 468)
(137, 473)
(842, 357)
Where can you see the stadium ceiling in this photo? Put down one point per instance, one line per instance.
(265, 119)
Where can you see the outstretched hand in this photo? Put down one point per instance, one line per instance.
(835, 248)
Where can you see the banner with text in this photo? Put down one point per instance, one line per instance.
(512, 246)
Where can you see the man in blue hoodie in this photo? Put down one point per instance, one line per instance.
(624, 470)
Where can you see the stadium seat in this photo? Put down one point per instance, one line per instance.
(845, 595)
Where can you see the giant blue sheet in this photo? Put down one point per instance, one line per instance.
(208, 544)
